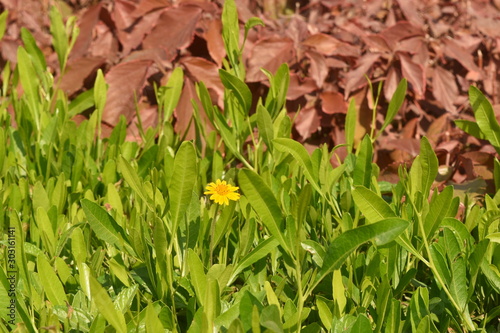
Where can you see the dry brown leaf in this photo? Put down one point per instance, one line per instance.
(174, 31)
(125, 82)
(269, 54)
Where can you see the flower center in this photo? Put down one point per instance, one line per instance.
(222, 189)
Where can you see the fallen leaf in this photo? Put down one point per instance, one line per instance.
(318, 69)
(125, 82)
(445, 88)
(332, 102)
(174, 31)
(414, 73)
(269, 54)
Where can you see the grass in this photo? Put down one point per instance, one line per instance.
(106, 235)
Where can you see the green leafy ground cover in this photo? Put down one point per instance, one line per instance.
(104, 235)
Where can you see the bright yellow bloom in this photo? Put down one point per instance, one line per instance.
(221, 191)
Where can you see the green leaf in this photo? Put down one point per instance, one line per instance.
(371, 205)
(131, 177)
(381, 233)
(300, 154)
(100, 91)
(279, 83)
(485, 117)
(395, 103)
(172, 93)
(198, 276)
(231, 33)
(438, 210)
(470, 127)
(260, 251)
(263, 202)
(51, 284)
(361, 325)
(3, 22)
(59, 36)
(29, 81)
(183, 182)
(206, 100)
(350, 124)
(362, 174)
(265, 125)
(32, 48)
(458, 285)
(153, 324)
(106, 307)
(239, 89)
(429, 164)
(270, 319)
(104, 226)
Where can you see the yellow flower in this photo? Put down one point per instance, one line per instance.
(221, 191)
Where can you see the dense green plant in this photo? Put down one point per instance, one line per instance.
(112, 235)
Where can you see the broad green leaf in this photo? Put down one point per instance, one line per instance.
(260, 251)
(40, 197)
(212, 304)
(485, 117)
(198, 276)
(29, 81)
(106, 307)
(393, 321)
(270, 318)
(458, 285)
(78, 246)
(325, 314)
(470, 127)
(440, 263)
(395, 103)
(383, 302)
(131, 177)
(45, 226)
(381, 233)
(51, 284)
(264, 203)
(424, 326)
(429, 164)
(104, 226)
(361, 325)
(438, 210)
(183, 181)
(34, 51)
(125, 298)
(300, 154)
(153, 324)
(371, 205)
(172, 92)
(265, 125)
(362, 173)
(239, 89)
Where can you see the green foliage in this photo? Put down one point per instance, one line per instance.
(111, 235)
